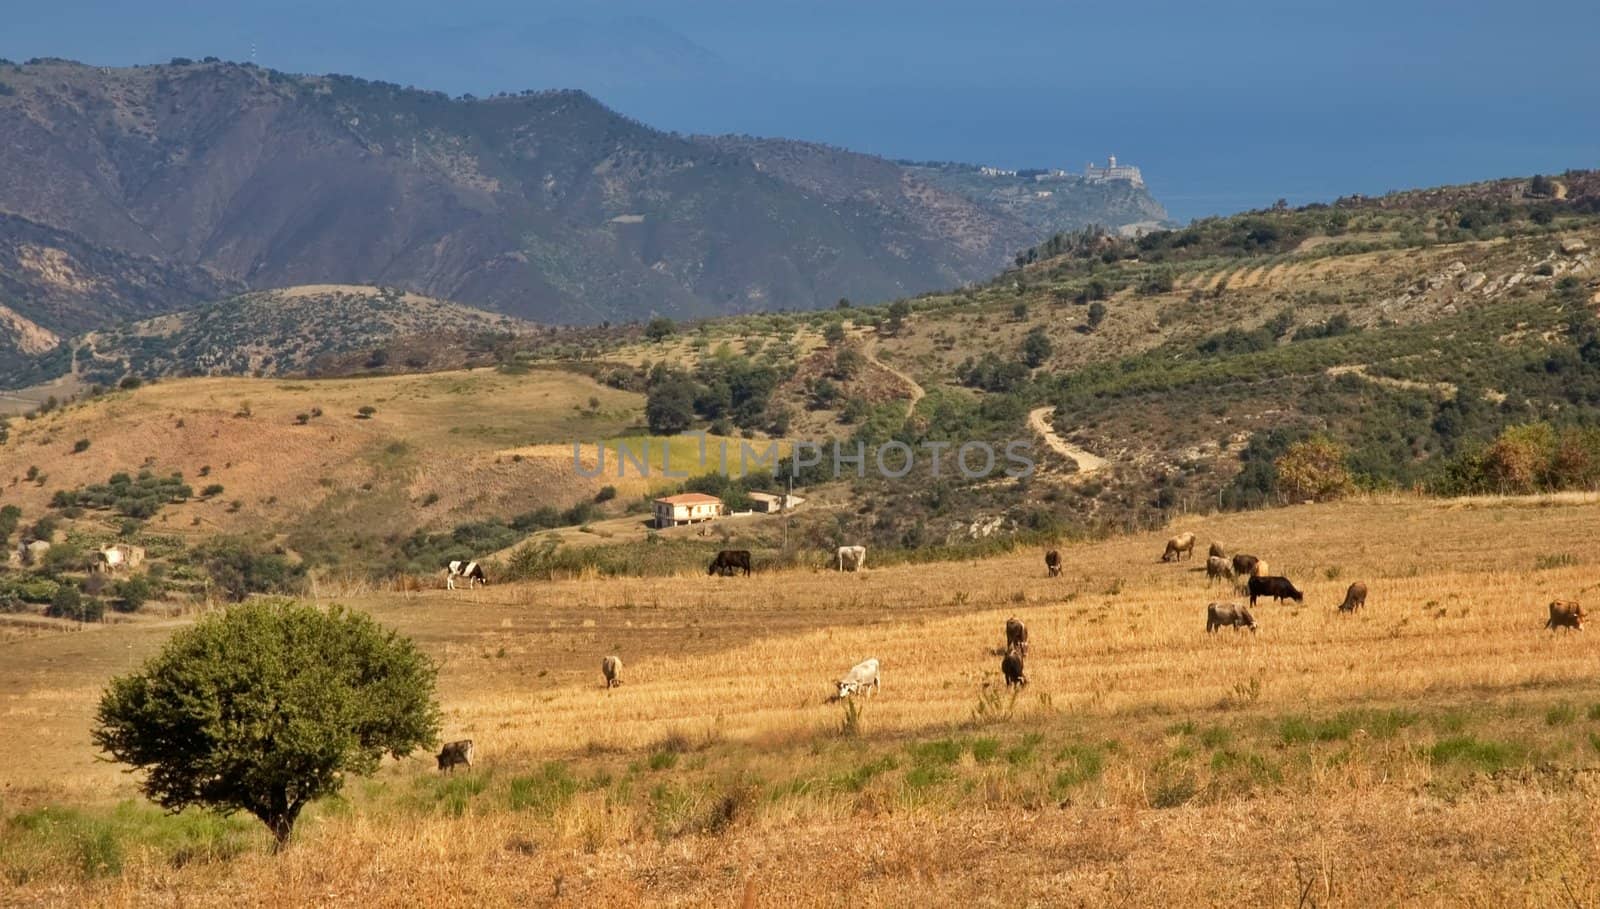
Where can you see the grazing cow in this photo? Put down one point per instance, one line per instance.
(1244, 566)
(1216, 551)
(729, 562)
(1016, 636)
(471, 572)
(611, 668)
(1354, 598)
(1052, 562)
(454, 753)
(1278, 588)
(1217, 567)
(1178, 547)
(1227, 614)
(1011, 668)
(863, 676)
(852, 558)
(1261, 570)
(1566, 614)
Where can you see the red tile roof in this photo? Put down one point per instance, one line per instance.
(690, 498)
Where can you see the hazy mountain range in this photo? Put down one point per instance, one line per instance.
(130, 192)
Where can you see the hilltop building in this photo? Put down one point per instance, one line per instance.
(1113, 171)
(688, 508)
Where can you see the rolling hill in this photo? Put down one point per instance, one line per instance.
(187, 182)
(301, 330)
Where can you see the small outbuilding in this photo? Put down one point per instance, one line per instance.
(767, 503)
(688, 508)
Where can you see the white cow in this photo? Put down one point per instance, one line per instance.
(852, 558)
(471, 571)
(861, 677)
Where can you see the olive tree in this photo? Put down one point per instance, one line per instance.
(267, 707)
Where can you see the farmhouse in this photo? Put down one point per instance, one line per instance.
(767, 503)
(688, 508)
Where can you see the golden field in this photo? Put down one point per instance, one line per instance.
(1438, 748)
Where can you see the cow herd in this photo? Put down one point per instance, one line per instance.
(1249, 572)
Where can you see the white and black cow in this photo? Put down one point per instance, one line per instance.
(472, 572)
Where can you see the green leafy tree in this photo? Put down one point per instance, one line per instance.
(267, 707)
(669, 408)
(847, 363)
(660, 328)
(1036, 348)
(898, 311)
(834, 334)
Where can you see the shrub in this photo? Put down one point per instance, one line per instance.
(659, 329)
(1036, 348)
(70, 603)
(1097, 314)
(80, 446)
(313, 697)
(133, 593)
(213, 489)
(606, 494)
(239, 569)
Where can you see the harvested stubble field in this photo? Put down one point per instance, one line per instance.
(1438, 748)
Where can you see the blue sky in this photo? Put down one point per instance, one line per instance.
(1226, 105)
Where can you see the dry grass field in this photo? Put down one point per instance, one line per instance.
(481, 442)
(1438, 748)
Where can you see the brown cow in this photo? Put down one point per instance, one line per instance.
(1219, 615)
(1178, 547)
(1354, 598)
(1052, 561)
(1566, 614)
(1216, 550)
(1017, 636)
(1244, 566)
(1217, 567)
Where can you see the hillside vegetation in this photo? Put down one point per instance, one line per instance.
(301, 330)
(1412, 336)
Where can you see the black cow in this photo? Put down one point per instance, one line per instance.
(1011, 668)
(454, 753)
(729, 561)
(1052, 561)
(1276, 587)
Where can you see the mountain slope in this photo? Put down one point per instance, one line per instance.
(311, 329)
(543, 205)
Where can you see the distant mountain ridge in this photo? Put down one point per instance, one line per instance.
(162, 187)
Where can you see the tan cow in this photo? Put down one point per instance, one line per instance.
(1178, 547)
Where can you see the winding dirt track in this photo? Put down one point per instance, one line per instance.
(1038, 419)
(917, 391)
